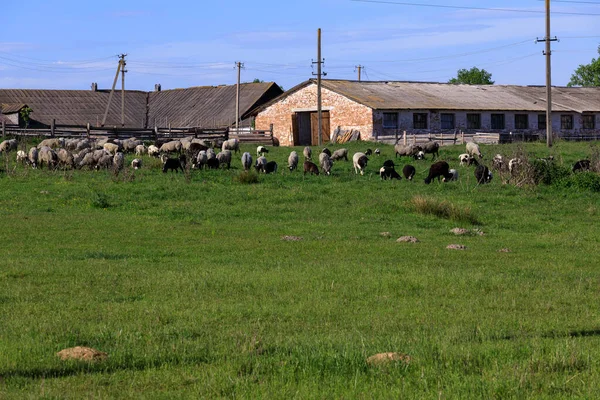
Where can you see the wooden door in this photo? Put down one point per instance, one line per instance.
(295, 130)
(314, 123)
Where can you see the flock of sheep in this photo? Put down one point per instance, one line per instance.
(109, 154)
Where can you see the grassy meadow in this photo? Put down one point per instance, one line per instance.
(185, 281)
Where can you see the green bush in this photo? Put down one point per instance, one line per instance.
(548, 172)
(247, 178)
(583, 181)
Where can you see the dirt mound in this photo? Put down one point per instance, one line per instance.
(456, 247)
(385, 358)
(291, 238)
(407, 239)
(82, 353)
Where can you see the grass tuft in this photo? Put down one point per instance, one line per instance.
(247, 178)
(100, 200)
(443, 209)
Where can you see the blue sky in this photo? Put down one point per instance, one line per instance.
(69, 44)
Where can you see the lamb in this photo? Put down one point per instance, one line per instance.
(311, 168)
(464, 159)
(339, 154)
(582, 165)
(420, 155)
(224, 157)
(360, 162)
(368, 152)
(153, 151)
(409, 172)
(173, 146)
(8, 145)
(246, 161)
(293, 161)
(261, 163)
(326, 151)
(514, 165)
(377, 152)
(111, 148)
(483, 174)
(389, 172)
(431, 148)
(65, 158)
(232, 145)
(47, 156)
(406, 151)
(118, 161)
(32, 157)
(325, 163)
(438, 170)
(140, 150)
(498, 162)
(201, 159)
(270, 167)
(389, 164)
(261, 151)
(453, 177)
(173, 164)
(473, 149)
(307, 153)
(21, 157)
(136, 163)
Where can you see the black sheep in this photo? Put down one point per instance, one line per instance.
(327, 151)
(581, 165)
(388, 164)
(270, 167)
(172, 164)
(438, 170)
(311, 167)
(212, 163)
(368, 152)
(387, 172)
(483, 174)
(409, 172)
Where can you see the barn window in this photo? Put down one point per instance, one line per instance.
(589, 121)
(541, 121)
(497, 121)
(566, 122)
(420, 120)
(473, 121)
(390, 120)
(521, 121)
(447, 121)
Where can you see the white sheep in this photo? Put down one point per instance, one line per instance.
(8, 145)
(173, 146)
(201, 159)
(360, 162)
(246, 161)
(119, 161)
(261, 164)
(21, 156)
(464, 159)
(153, 151)
(307, 153)
(261, 151)
(325, 162)
(453, 176)
(231, 144)
(136, 163)
(140, 150)
(473, 149)
(32, 157)
(224, 157)
(111, 148)
(293, 161)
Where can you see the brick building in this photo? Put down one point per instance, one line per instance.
(385, 108)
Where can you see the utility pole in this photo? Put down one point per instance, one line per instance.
(112, 91)
(548, 53)
(239, 66)
(123, 70)
(359, 68)
(319, 74)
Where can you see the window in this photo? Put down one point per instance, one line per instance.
(589, 121)
(473, 121)
(566, 122)
(497, 121)
(390, 120)
(447, 121)
(541, 121)
(420, 120)
(521, 121)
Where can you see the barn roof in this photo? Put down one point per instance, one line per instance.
(385, 95)
(11, 108)
(207, 105)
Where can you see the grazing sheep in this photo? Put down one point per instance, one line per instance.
(438, 170)
(464, 159)
(339, 154)
(47, 156)
(410, 150)
(21, 156)
(173, 146)
(210, 153)
(53, 143)
(270, 167)
(32, 157)
(140, 150)
(118, 161)
(246, 161)
(173, 164)
(431, 148)
(409, 172)
(582, 165)
(453, 177)
(293, 161)
(326, 151)
(360, 162)
(368, 152)
(514, 164)
(84, 144)
(389, 172)
(307, 153)
(389, 164)
(87, 160)
(224, 158)
(325, 162)
(420, 155)
(8, 145)
(136, 163)
(261, 163)
(111, 148)
(153, 151)
(212, 163)
(231, 145)
(473, 149)
(65, 158)
(377, 152)
(483, 174)
(106, 161)
(261, 151)
(311, 168)
(129, 145)
(201, 159)
(498, 162)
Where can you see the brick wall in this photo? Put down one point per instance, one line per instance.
(343, 112)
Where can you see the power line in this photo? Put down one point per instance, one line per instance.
(574, 2)
(470, 8)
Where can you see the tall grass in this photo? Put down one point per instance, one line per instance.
(443, 209)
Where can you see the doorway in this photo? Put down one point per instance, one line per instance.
(305, 128)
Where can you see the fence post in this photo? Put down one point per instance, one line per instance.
(271, 133)
(454, 141)
(462, 137)
(442, 137)
(404, 138)
(52, 127)
(227, 133)
(87, 130)
(429, 135)
(3, 129)
(414, 139)
(169, 129)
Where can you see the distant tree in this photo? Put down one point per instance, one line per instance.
(587, 75)
(26, 115)
(473, 76)
(256, 80)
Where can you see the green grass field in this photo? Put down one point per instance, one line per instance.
(186, 283)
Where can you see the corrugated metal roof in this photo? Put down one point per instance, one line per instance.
(9, 108)
(210, 106)
(444, 96)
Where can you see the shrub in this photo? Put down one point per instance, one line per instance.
(100, 200)
(548, 172)
(443, 209)
(582, 180)
(247, 178)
